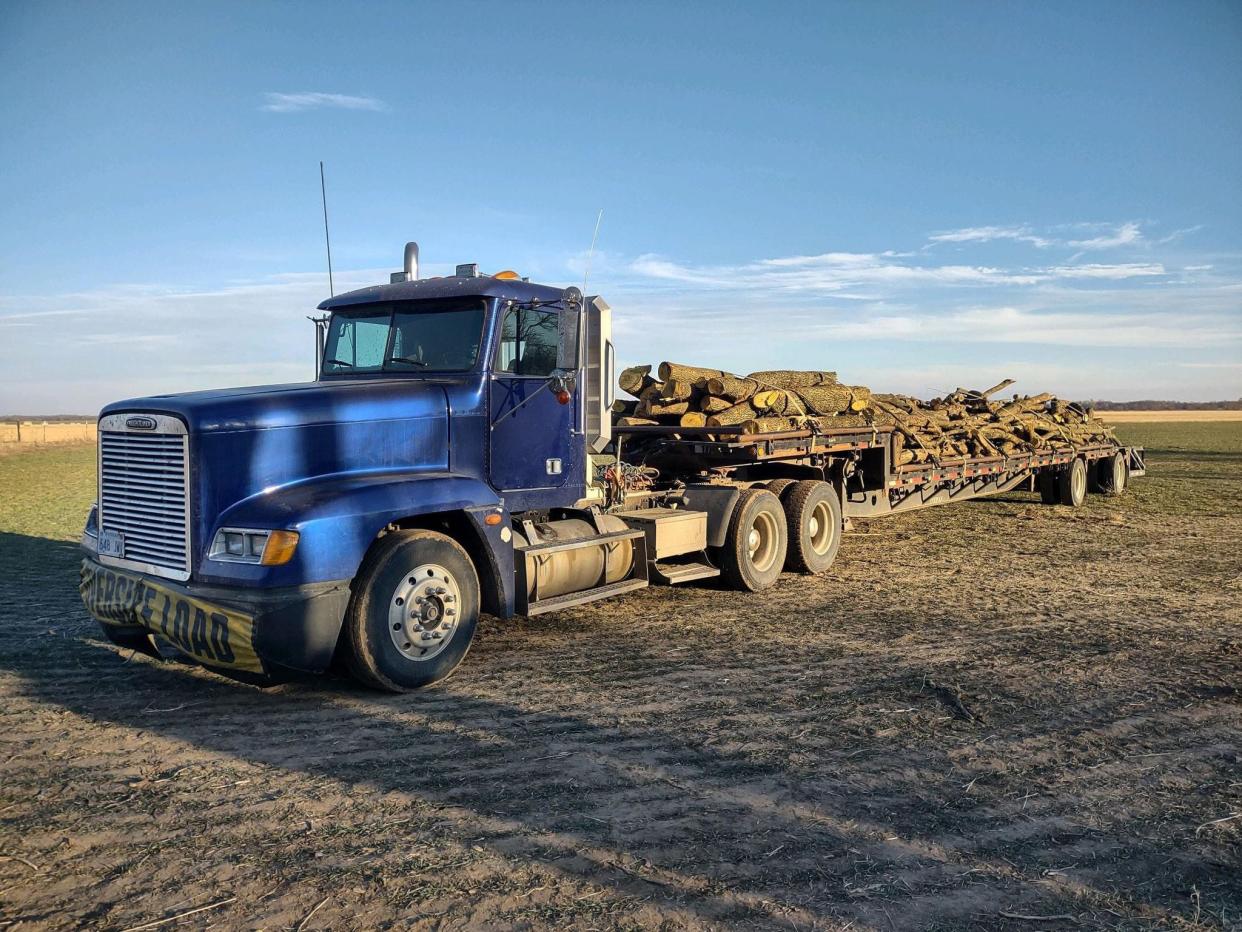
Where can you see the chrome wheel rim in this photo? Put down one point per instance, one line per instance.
(424, 612)
(761, 542)
(819, 528)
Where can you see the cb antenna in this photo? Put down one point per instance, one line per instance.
(323, 193)
(591, 253)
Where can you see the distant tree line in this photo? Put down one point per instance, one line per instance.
(1165, 405)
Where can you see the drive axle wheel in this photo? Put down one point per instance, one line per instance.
(1072, 483)
(813, 515)
(414, 611)
(1047, 482)
(755, 544)
(1112, 472)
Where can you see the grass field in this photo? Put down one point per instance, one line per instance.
(991, 715)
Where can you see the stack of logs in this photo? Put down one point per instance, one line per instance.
(963, 423)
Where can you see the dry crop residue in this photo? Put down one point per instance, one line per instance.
(988, 711)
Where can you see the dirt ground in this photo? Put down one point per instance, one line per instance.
(995, 715)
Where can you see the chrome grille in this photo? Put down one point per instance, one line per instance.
(144, 492)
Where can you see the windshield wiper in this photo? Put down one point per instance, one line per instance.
(339, 362)
(408, 359)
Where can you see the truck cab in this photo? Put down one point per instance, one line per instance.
(446, 460)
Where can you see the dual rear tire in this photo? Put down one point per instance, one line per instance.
(1069, 485)
(788, 524)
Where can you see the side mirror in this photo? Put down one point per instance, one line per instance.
(569, 342)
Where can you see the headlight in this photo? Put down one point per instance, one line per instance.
(251, 545)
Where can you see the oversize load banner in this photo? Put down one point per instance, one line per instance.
(217, 636)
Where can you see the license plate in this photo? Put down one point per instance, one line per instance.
(112, 543)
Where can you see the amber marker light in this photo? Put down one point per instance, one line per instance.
(506, 275)
(493, 519)
(280, 548)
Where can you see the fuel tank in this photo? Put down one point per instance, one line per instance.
(578, 567)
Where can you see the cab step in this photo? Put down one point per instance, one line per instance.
(671, 574)
(570, 599)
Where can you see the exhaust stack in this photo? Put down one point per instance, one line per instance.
(411, 266)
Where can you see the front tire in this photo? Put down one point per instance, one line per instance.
(130, 639)
(756, 542)
(813, 516)
(414, 611)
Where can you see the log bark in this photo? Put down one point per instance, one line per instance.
(676, 370)
(731, 387)
(734, 415)
(632, 380)
(792, 378)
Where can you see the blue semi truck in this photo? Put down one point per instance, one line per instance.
(456, 454)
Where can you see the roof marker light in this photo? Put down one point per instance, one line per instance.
(506, 275)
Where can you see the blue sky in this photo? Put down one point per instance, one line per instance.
(917, 195)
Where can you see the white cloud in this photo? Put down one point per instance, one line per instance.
(1128, 234)
(315, 100)
(1020, 234)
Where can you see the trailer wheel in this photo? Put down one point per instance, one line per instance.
(756, 542)
(813, 517)
(1072, 483)
(778, 486)
(1048, 492)
(1112, 473)
(413, 613)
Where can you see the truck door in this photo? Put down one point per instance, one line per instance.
(531, 432)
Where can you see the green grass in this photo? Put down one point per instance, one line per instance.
(47, 492)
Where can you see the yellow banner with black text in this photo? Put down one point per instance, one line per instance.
(217, 636)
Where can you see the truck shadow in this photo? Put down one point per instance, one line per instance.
(650, 803)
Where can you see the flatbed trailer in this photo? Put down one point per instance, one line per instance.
(867, 454)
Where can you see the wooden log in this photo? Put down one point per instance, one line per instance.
(996, 388)
(714, 405)
(860, 398)
(792, 378)
(734, 415)
(636, 422)
(772, 425)
(662, 409)
(623, 407)
(676, 389)
(676, 370)
(693, 419)
(824, 399)
(632, 380)
(778, 401)
(731, 387)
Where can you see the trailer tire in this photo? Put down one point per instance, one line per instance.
(1112, 473)
(756, 542)
(813, 518)
(778, 486)
(1048, 493)
(388, 644)
(1072, 483)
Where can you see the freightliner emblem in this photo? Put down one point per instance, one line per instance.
(140, 423)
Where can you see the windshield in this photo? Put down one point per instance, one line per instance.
(406, 336)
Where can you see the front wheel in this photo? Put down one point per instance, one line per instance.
(413, 613)
(756, 542)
